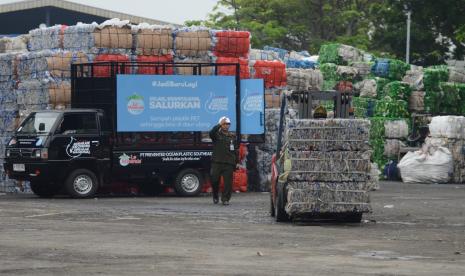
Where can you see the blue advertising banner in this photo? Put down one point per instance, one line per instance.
(174, 103)
(252, 106)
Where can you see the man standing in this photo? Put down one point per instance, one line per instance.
(224, 159)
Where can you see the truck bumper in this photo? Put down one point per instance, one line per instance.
(39, 171)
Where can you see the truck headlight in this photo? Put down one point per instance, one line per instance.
(7, 153)
(40, 153)
(36, 153)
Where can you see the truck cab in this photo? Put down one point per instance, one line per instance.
(60, 149)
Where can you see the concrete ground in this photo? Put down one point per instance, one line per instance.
(413, 230)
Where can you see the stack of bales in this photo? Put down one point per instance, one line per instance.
(326, 166)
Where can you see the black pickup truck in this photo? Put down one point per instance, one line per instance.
(79, 150)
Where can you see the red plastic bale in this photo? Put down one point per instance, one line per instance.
(232, 44)
(155, 70)
(272, 72)
(105, 71)
(345, 86)
(231, 70)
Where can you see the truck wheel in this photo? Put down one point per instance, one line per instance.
(271, 205)
(43, 189)
(189, 182)
(81, 183)
(280, 214)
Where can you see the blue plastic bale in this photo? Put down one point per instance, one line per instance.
(281, 52)
(381, 68)
(305, 64)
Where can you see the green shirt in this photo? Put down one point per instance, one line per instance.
(222, 150)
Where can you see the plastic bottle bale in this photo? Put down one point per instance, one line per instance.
(50, 38)
(417, 101)
(329, 71)
(244, 72)
(256, 54)
(363, 107)
(304, 79)
(329, 53)
(189, 70)
(282, 53)
(392, 148)
(451, 97)
(113, 34)
(153, 40)
(151, 69)
(398, 90)
(366, 88)
(457, 74)
(363, 68)
(32, 94)
(264, 168)
(231, 43)
(346, 73)
(59, 63)
(59, 95)
(455, 146)
(447, 127)
(350, 54)
(373, 178)
(14, 44)
(415, 79)
(381, 68)
(433, 76)
(79, 37)
(396, 129)
(272, 72)
(105, 69)
(7, 66)
(391, 108)
(397, 69)
(192, 42)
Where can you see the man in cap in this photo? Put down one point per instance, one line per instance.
(224, 159)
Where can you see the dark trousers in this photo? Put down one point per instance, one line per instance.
(225, 170)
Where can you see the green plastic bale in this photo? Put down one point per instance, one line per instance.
(329, 53)
(398, 90)
(432, 100)
(391, 108)
(452, 97)
(380, 84)
(329, 71)
(433, 76)
(363, 107)
(397, 69)
(329, 85)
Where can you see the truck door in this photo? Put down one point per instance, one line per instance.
(77, 138)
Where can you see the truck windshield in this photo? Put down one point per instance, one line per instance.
(38, 123)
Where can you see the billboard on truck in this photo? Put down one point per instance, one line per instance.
(161, 103)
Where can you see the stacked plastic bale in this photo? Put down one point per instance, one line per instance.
(301, 60)
(304, 79)
(232, 47)
(414, 77)
(153, 44)
(14, 44)
(8, 111)
(326, 166)
(432, 78)
(193, 44)
(448, 131)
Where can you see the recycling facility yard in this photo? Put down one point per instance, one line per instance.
(414, 229)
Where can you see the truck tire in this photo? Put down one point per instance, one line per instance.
(280, 213)
(81, 183)
(188, 182)
(271, 205)
(43, 189)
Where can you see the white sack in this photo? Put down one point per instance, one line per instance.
(426, 167)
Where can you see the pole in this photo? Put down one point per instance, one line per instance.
(407, 54)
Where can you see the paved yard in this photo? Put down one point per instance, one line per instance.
(413, 230)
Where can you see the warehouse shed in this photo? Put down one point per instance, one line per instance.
(20, 17)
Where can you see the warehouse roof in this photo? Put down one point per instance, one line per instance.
(31, 4)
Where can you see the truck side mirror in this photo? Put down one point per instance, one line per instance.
(41, 127)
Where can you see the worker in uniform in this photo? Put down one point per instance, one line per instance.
(224, 159)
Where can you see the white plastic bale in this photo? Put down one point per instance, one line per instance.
(456, 147)
(427, 166)
(373, 178)
(347, 72)
(264, 168)
(32, 94)
(79, 37)
(456, 74)
(46, 38)
(363, 68)
(392, 147)
(396, 129)
(256, 54)
(304, 79)
(7, 66)
(447, 127)
(415, 79)
(14, 44)
(367, 88)
(350, 54)
(189, 70)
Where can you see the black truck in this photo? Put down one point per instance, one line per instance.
(79, 150)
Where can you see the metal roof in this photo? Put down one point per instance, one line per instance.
(32, 4)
